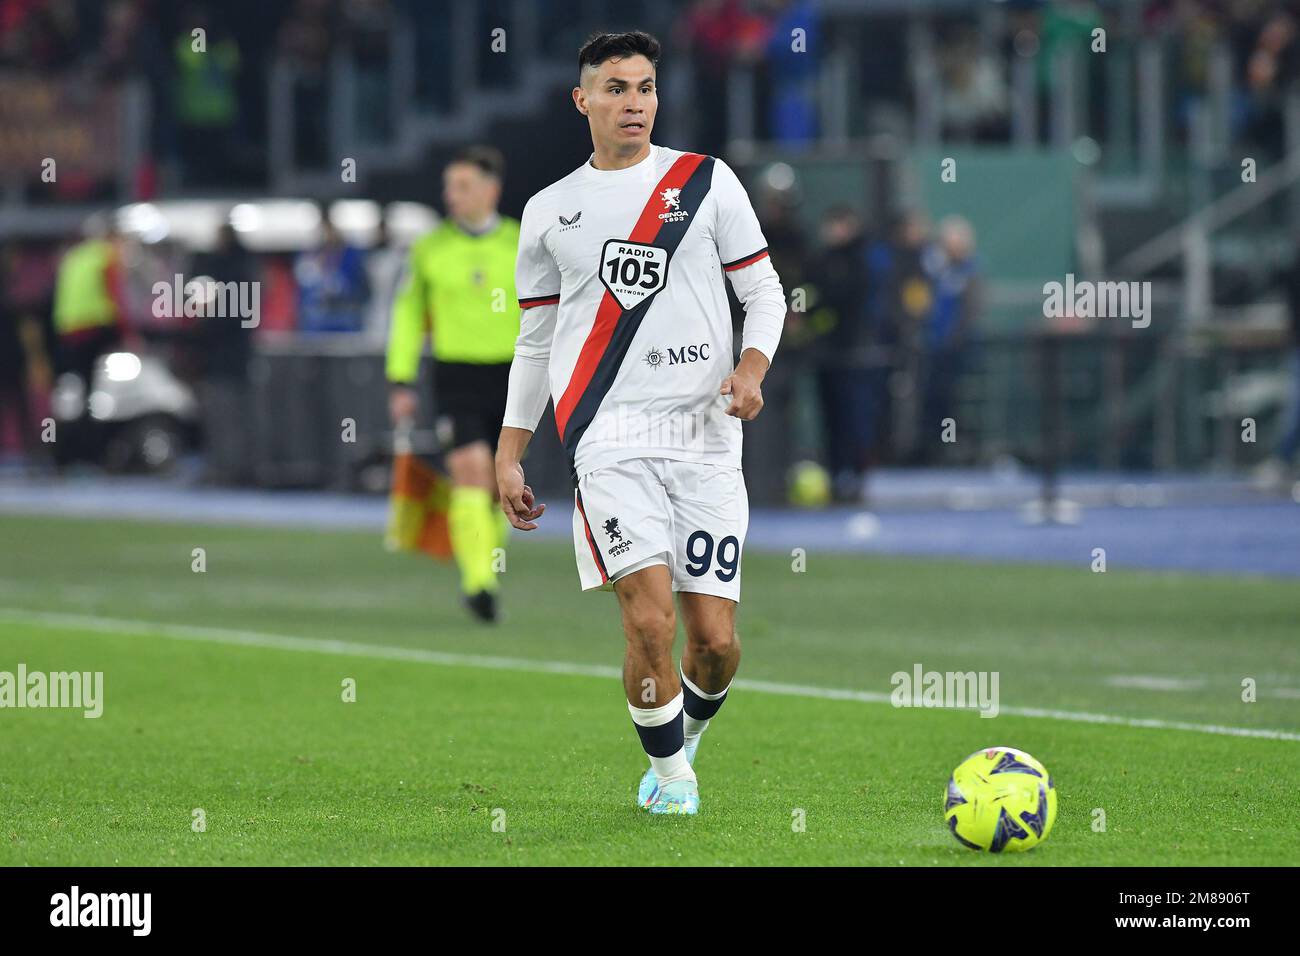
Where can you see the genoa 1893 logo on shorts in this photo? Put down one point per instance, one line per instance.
(616, 538)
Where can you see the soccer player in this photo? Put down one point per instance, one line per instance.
(460, 285)
(626, 327)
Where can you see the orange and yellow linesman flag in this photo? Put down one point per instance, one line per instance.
(417, 503)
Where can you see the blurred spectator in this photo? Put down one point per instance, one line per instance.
(367, 24)
(1290, 441)
(1197, 35)
(27, 274)
(787, 243)
(843, 377)
(306, 43)
(206, 102)
(899, 297)
(89, 317)
(143, 266)
(384, 264)
(39, 34)
(793, 71)
(911, 288)
(279, 295)
(15, 415)
(954, 276)
(1044, 33)
(1271, 74)
(332, 284)
(1067, 25)
(129, 43)
(777, 204)
(976, 100)
(788, 247)
(1273, 62)
(226, 347)
(718, 34)
(1278, 470)
(132, 45)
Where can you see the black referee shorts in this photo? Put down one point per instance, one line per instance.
(470, 401)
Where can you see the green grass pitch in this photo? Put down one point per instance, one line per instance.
(223, 693)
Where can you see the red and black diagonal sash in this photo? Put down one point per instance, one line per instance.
(614, 327)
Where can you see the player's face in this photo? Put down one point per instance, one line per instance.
(620, 101)
(470, 194)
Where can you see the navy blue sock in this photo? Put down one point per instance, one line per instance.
(664, 740)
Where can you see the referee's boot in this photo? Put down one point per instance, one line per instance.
(483, 606)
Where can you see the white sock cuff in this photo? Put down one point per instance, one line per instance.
(699, 693)
(658, 716)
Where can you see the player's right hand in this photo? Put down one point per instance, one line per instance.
(403, 402)
(517, 499)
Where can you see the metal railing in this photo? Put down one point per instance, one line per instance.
(1190, 241)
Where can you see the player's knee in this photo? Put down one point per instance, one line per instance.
(720, 641)
(650, 625)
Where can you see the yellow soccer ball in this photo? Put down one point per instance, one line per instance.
(1000, 800)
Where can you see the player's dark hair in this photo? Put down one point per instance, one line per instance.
(604, 46)
(487, 159)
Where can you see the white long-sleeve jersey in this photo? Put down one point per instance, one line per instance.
(626, 324)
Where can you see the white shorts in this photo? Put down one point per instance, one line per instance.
(689, 516)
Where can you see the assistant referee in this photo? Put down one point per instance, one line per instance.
(460, 289)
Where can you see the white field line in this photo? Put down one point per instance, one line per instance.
(283, 642)
(1153, 682)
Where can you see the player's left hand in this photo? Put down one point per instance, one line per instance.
(746, 395)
